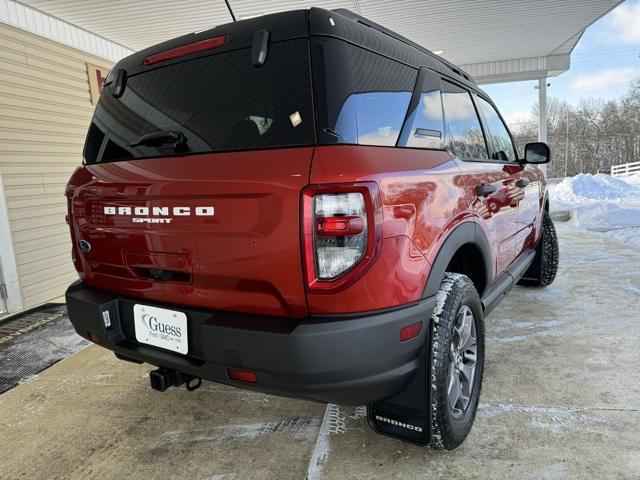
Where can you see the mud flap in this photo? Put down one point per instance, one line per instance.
(407, 416)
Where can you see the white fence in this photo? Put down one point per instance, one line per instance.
(625, 170)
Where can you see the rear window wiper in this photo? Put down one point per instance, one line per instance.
(173, 138)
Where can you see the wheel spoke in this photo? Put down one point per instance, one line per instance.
(470, 344)
(468, 370)
(454, 390)
(465, 327)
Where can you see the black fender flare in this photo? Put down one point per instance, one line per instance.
(546, 204)
(466, 233)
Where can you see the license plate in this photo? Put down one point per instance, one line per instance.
(161, 328)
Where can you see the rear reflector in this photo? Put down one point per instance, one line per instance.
(242, 375)
(410, 331)
(94, 337)
(184, 50)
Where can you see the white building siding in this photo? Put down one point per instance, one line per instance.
(45, 110)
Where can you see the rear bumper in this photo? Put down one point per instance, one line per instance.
(347, 360)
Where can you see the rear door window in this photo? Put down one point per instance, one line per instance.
(425, 125)
(362, 97)
(466, 138)
(219, 103)
(501, 146)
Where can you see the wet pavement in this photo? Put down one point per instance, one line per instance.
(561, 399)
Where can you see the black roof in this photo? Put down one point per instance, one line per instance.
(365, 22)
(341, 23)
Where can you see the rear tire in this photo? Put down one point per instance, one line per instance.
(542, 271)
(457, 361)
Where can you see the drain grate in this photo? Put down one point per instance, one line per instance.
(31, 342)
(27, 322)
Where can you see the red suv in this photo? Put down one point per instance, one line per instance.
(310, 205)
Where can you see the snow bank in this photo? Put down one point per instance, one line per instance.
(601, 203)
(595, 187)
(633, 179)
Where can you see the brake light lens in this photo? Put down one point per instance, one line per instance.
(342, 233)
(184, 50)
(347, 225)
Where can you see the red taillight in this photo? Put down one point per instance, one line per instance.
(242, 375)
(410, 331)
(342, 233)
(195, 47)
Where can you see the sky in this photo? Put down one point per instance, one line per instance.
(604, 62)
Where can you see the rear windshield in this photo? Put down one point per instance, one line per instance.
(215, 103)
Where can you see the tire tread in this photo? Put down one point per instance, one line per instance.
(454, 289)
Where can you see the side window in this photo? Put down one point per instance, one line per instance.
(361, 97)
(502, 148)
(379, 116)
(425, 125)
(465, 132)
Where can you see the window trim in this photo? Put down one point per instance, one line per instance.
(414, 102)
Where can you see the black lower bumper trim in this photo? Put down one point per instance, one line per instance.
(350, 360)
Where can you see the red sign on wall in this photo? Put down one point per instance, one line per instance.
(97, 77)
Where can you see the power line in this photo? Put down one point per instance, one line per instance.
(593, 87)
(605, 51)
(635, 53)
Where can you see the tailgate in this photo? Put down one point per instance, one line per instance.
(219, 231)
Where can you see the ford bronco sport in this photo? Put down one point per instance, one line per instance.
(310, 205)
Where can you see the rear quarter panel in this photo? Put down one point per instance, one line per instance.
(423, 198)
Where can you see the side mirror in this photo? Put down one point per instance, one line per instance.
(537, 153)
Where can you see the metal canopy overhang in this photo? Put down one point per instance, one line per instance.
(493, 40)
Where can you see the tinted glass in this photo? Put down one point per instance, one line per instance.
(465, 132)
(502, 147)
(424, 127)
(362, 97)
(220, 102)
(93, 143)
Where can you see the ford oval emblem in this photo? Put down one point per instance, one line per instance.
(84, 246)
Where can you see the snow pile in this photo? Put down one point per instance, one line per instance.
(633, 179)
(595, 187)
(601, 203)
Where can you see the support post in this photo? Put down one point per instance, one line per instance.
(542, 114)
(9, 268)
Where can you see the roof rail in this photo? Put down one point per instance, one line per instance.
(365, 21)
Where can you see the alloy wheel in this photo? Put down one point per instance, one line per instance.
(462, 361)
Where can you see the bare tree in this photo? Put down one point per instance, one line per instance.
(589, 137)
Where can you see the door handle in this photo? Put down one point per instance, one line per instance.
(523, 182)
(485, 189)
